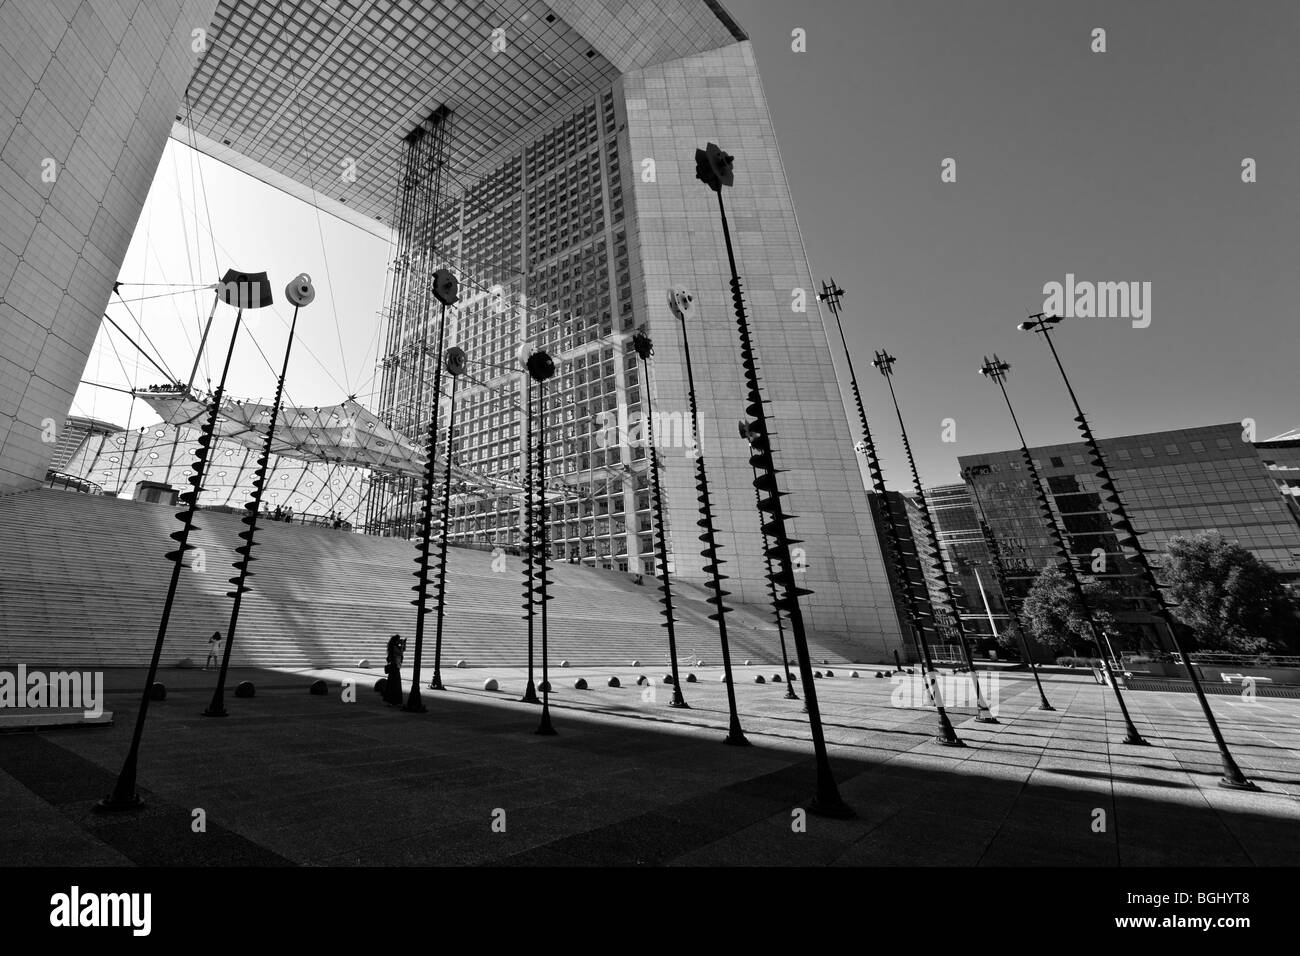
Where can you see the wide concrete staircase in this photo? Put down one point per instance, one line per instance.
(82, 582)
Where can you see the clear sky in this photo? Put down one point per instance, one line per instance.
(1123, 165)
(1116, 166)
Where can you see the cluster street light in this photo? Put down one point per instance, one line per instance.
(1232, 778)
(884, 362)
(908, 591)
(716, 170)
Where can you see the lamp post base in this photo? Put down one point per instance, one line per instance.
(1243, 784)
(114, 804)
(210, 712)
(987, 720)
(832, 807)
(1135, 739)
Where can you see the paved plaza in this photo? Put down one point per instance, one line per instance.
(290, 778)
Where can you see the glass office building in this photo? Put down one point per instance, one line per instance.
(1172, 483)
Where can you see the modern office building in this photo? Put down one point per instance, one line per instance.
(966, 556)
(1172, 483)
(542, 151)
(1281, 456)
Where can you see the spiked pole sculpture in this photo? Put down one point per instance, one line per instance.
(885, 363)
(300, 292)
(833, 296)
(643, 347)
(454, 365)
(1000, 575)
(771, 581)
(715, 169)
(541, 367)
(446, 290)
(243, 291)
(912, 605)
(997, 371)
(1232, 778)
(681, 303)
(529, 528)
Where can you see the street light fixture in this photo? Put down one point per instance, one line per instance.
(908, 595)
(1232, 778)
(715, 169)
(644, 348)
(884, 362)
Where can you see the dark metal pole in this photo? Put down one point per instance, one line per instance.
(641, 344)
(997, 370)
(455, 363)
(681, 304)
(300, 292)
(447, 291)
(714, 168)
(530, 537)
(885, 362)
(541, 367)
(1232, 778)
(771, 582)
(1000, 575)
(832, 295)
(251, 291)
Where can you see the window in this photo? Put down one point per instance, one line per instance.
(1057, 462)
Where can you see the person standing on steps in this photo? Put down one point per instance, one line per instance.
(214, 650)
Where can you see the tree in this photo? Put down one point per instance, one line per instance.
(1054, 617)
(1228, 598)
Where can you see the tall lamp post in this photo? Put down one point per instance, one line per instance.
(1232, 777)
(446, 289)
(771, 579)
(885, 363)
(243, 290)
(643, 347)
(715, 169)
(300, 292)
(530, 528)
(681, 303)
(833, 295)
(1000, 575)
(454, 365)
(541, 367)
